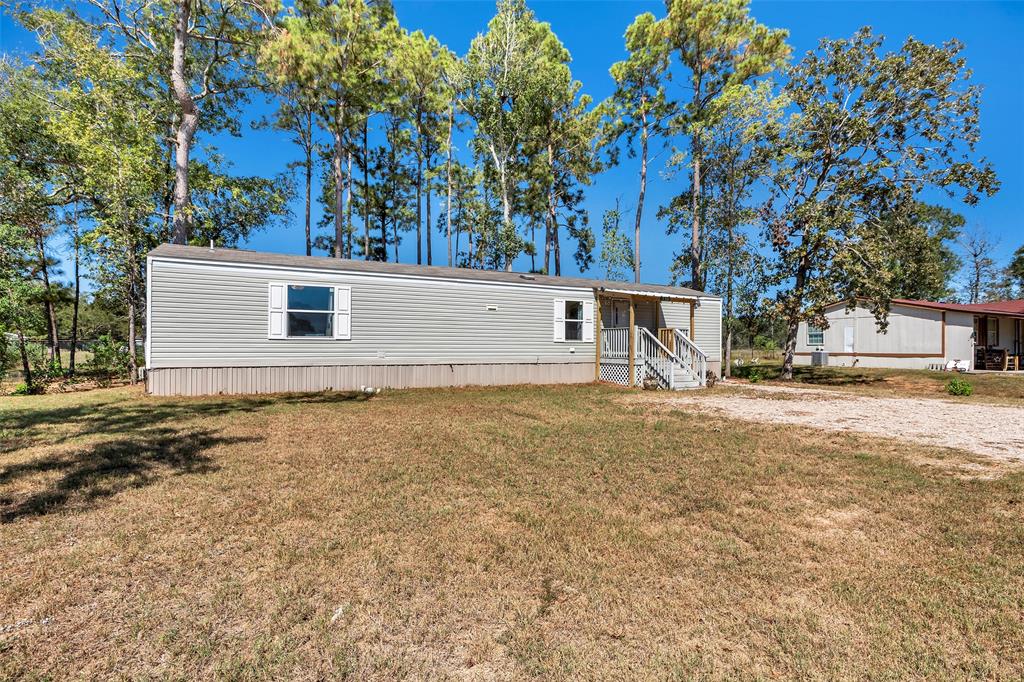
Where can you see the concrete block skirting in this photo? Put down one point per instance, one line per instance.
(243, 380)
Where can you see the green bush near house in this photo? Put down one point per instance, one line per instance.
(958, 386)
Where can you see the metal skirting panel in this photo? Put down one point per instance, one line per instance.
(248, 380)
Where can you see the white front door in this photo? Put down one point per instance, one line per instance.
(848, 338)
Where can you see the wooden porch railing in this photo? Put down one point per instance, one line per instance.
(615, 343)
(692, 357)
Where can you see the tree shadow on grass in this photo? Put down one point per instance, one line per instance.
(26, 427)
(151, 439)
(84, 477)
(805, 374)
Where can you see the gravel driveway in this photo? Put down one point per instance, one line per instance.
(993, 430)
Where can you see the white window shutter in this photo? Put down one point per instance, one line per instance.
(588, 321)
(559, 311)
(276, 312)
(343, 312)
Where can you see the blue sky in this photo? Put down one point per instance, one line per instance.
(592, 31)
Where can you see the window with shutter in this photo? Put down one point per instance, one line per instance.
(343, 312)
(275, 320)
(559, 312)
(309, 311)
(573, 320)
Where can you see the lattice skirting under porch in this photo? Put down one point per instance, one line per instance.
(619, 373)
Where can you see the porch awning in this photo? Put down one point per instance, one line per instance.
(648, 295)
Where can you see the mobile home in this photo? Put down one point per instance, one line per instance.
(234, 321)
(920, 335)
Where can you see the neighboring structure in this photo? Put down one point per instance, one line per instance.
(232, 321)
(920, 335)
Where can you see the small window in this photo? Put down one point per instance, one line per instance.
(310, 310)
(574, 320)
(815, 336)
(992, 327)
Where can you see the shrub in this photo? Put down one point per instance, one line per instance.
(958, 386)
(754, 376)
(110, 356)
(25, 389)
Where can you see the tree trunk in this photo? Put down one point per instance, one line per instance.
(309, 188)
(793, 319)
(506, 221)
(339, 179)
(430, 228)
(78, 288)
(366, 193)
(133, 369)
(640, 197)
(188, 123)
(448, 173)
(419, 190)
(348, 206)
(551, 219)
(52, 332)
(26, 366)
(695, 151)
(558, 250)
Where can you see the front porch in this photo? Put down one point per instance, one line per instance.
(999, 343)
(646, 340)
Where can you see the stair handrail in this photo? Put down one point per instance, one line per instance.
(656, 357)
(692, 357)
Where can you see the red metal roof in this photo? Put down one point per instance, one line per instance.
(995, 308)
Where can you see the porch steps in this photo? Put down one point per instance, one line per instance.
(683, 379)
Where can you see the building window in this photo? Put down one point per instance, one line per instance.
(815, 336)
(310, 310)
(574, 320)
(299, 311)
(992, 327)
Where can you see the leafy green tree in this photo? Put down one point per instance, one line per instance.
(294, 116)
(922, 262)
(421, 64)
(734, 162)
(561, 150)
(867, 134)
(1015, 270)
(721, 47)
(616, 252)
(200, 57)
(639, 109)
(328, 51)
(499, 80)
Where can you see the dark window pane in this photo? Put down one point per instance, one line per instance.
(573, 331)
(310, 298)
(573, 310)
(310, 324)
(815, 336)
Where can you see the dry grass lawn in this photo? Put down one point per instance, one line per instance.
(491, 534)
(997, 387)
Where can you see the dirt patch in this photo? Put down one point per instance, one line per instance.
(990, 430)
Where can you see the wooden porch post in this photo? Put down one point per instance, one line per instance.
(632, 342)
(693, 303)
(597, 338)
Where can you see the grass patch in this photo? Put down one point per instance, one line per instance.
(997, 387)
(490, 533)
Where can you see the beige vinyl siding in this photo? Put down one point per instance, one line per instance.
(243, 380)
(216, 315)
(707, 331)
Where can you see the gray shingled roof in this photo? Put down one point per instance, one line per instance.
(221, 255)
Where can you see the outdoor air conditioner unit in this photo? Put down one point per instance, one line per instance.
(819, 358)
